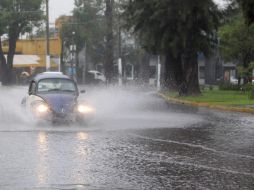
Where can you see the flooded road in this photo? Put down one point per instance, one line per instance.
(136, 141)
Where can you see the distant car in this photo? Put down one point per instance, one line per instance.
(53, 96)
(95, 77)
(233, 80)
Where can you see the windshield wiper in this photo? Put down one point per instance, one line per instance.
(54, 89)
(68, 90)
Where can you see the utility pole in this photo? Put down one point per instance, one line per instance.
(119, 61)
(73, 51)
(159, 73)
(84, 68)
(47, 37)
(120, 66)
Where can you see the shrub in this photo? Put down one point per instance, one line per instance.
(251, 94)
(202, 87)
(248, 87)
(228, 86)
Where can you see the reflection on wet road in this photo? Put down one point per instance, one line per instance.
(136, 141)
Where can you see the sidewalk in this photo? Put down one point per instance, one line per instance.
(238, 108)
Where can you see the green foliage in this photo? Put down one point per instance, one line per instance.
(89, 27)
(3, 22)
(248, 10)
(244, 72)
(166, 25)
(251, 94)
(248, 87)
(178, 29)
(16, 18)
(228, 86)
(237, 41)
(244, 89)
(20, 16)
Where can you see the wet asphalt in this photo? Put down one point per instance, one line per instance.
(135, 141)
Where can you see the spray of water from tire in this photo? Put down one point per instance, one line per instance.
(118, 108)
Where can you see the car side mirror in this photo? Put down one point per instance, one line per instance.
(82, 91)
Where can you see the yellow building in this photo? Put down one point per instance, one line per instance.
(27, 50)
(30, 54)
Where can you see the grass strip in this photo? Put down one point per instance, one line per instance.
(217, 99)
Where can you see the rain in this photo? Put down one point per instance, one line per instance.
(135, 141)
(126, 95)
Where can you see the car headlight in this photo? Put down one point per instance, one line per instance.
(42, 108)
(84, 109)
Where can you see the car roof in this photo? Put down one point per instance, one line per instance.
(94, 71)
(47, 75)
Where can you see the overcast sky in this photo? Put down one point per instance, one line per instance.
(59, 7)
(64, 7)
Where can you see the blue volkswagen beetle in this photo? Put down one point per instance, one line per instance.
(53, 96)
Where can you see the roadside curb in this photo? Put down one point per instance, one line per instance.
(207, 105)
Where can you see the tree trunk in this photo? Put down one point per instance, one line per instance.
(13, 37)
(109, 57)
(3, 66)
(144, 67)
(173, 71)
(191, 74)
(7, 64)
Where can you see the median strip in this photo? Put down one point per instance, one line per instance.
(239, 108)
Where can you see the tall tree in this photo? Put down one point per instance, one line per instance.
(198, 25)
(22, 16)
(248, 10)
(237, 42)
(88, 24)
(98, 24)
(178, 29)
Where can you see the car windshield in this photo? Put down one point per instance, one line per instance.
(56, 85)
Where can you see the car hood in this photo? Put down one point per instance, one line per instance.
(60, 103)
